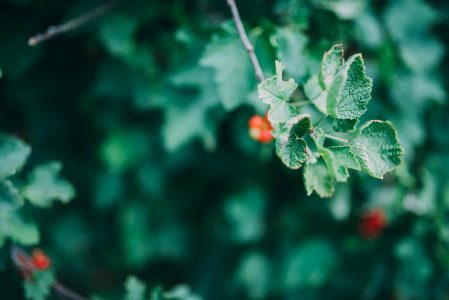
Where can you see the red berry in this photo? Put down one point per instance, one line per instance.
(372, 223)
(256, 122)
(260, 129)
(265, 136)
(40, 260)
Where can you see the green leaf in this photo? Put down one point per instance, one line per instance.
(290, 44)
(277, 93)
(157, 293)
(344, 125)
(309, 265)
(377, 147)
(13, 155)
(135, 289)
(350, 91)
(315, 94)
(245, 213)
(318, 179)
(39, 286)
(14, 227)
(338, 159)
(45, 186)
(330, 64)
(290, 146)
(12, 224)
(232, 69)
(190, 116)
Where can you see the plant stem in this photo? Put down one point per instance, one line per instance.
(56, 30)
(245, 40)
(333, 137)
(319, 121)
(300, 103)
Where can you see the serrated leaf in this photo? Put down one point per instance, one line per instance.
(350, 91)
(13, 155)
(45, 186)
(39, 286)
(277, 93)
(232, 68)
(377, 148)
(338, 159)
(290, 146)
(318, 179)
(331, 62)
(344, 125)
(135, 289)
(292, 152)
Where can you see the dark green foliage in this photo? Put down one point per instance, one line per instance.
(147, 110)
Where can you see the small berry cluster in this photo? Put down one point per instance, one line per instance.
(372, 223)
(260, 129)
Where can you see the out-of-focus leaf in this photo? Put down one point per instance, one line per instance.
(13, 155)
(309, 265)
(232, 68)
(39, 286)
(290, 44)
(135, 289)
(45, 186)
(245, 214)
(253, 274)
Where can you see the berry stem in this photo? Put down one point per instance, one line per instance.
(300, 103)
(336, 138)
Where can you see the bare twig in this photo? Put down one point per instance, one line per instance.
(56, 30)
(245, 40)
(24, 264)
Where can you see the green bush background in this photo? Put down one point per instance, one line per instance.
(147, 109)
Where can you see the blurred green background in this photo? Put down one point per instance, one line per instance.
(147, 109)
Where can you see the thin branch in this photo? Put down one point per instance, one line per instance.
(245, 40)
(24, 264)
(56, 30)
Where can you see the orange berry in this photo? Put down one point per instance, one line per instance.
(40, 260)
(265, 136)
(256, 122)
